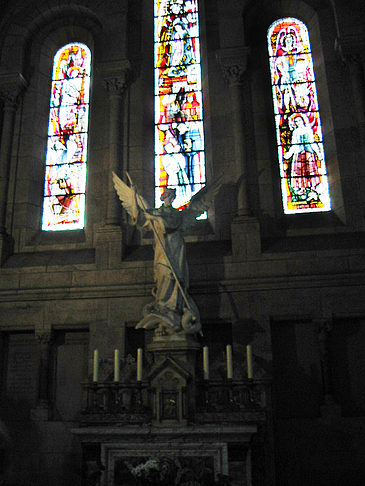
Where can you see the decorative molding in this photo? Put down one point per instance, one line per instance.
(11, 86)
(233, 62)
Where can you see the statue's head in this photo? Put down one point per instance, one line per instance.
(168, 195)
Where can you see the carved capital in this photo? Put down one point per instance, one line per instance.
(11, 86)
(44, 337)
(351, 48)
(115, 85)
(233, 62)
(115, 75)
(325, 326)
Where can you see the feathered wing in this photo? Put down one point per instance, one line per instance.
(201, 201)
(126, 195)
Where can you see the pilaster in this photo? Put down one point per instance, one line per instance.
(351, 49)
(115, 81)
(108, 239)
(245, 229)
(42, 408)
(329, 408)
(233, 62)
(11, 86)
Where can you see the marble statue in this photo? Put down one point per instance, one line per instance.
(173, 310)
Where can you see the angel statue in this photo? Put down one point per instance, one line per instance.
(173, 310)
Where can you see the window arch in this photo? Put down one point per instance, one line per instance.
(65, 174)
(179, 134)
(304, 181)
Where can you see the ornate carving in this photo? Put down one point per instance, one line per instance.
(115, 85)
(115, 75)
(233, 63)
(179, 470)
(350, 48)
(11, 86)
(43, 337)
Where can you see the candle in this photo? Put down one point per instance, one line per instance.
(229, 362)
(96, 366)
(206, 362)
(139, 364)
(249, 361)
(116, 364)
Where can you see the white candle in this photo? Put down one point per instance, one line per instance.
(116, 364)
(229, 362)
(206, 362)
(139, 364)
(96, 366)
(249, 361)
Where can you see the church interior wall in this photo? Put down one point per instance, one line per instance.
(292, 286)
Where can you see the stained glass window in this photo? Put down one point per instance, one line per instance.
(303, 174)
(179, 136)
(65, 176)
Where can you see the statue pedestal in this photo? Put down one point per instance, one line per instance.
(180, 346)
(172, 378)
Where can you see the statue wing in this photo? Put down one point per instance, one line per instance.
(201, 201)
(126, 195)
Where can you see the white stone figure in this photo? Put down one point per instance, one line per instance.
(173, 310)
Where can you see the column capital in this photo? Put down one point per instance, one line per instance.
(325, 326)
(233, 62)
(44, 336)
(115, 75)
(351, 47)
(11, 86)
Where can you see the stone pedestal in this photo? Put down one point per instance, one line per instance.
(246, 238)
(172, 379)
(182, 347)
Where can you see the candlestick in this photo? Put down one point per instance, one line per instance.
(229, 362)
(116, 364)
(206, 362)
(139, 364)
(249, 361)
(96, 366)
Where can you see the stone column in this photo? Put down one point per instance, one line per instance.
(351, 49)
(109, 234)
(233, 63)
(41, 411)
(115, 84)
(329, 408)
(246, 240)
(11, 85)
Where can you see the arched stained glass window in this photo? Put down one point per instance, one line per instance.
(298, 126)
(179, 135)
(65, 176)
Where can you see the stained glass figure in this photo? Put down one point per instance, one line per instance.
(179, 134)
(65, 175)
(303, 173)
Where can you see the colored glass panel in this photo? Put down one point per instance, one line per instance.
(179, 134)
(303, 173)
(65, 175)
